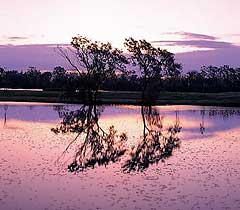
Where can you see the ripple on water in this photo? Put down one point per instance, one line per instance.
(202, 174)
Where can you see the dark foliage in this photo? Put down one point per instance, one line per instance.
(207, 79)
(96, 146)
(154, 145)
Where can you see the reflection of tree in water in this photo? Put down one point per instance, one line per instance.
(154, 145)
(224, 113)
(31, 107)
(60, 109)
(202, 124)
(97, 146)
(100, 147)
(212, 113)
(5, 107)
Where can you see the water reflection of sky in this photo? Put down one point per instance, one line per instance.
(128, 118)
(198, 175)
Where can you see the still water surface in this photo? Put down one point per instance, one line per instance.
(201, 172)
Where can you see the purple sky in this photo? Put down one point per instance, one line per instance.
(199, 32)
(45, 57)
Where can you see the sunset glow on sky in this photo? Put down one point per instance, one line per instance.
(180, 26)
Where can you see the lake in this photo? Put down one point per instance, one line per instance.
(56, 156)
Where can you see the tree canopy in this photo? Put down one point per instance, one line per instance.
(99, 66)
(97, 60)
(154, 63)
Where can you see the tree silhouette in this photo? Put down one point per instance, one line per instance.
(2, 74)
(153, 63)
(97, 146)
(154, 145)
(33, 77)
(59, 77)
(96, 61)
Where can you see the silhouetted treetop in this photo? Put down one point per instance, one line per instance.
(152, 61)
(97, 60)
(154, 64)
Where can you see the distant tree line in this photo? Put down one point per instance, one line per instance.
(207, 79)
(98, 66)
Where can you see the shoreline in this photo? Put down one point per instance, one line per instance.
(230, 99)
